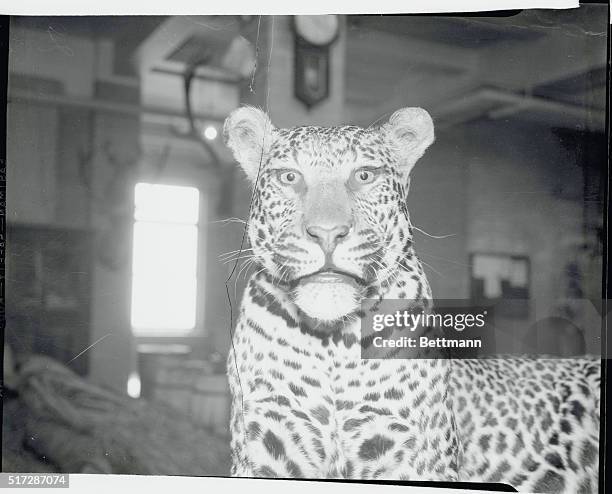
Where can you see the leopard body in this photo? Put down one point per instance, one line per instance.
(305, 403)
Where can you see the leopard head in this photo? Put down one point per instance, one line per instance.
(328, 221)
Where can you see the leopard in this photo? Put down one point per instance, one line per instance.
(329, 227)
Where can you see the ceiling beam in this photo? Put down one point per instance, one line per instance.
(554, 57)
(367, 47)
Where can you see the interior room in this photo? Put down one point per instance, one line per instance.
(126, 211)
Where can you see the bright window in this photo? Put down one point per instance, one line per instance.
(165, 260)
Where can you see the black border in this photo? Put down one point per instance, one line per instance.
(4, 60)
(605, 433)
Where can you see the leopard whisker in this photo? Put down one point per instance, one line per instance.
(231, 220)
(238, 275)
(228, 255)
(284, 271)
(243, 269)
(376, 274)
(431, 235)
(257, 273)
(247, 256)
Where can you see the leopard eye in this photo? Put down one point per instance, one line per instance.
(289, 177)
(364, 176)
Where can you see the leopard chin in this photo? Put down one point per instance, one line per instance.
(327, 302)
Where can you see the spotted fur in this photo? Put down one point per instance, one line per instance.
(305, 404)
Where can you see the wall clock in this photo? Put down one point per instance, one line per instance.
(314, 35)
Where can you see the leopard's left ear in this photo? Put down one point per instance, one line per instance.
(411, 132)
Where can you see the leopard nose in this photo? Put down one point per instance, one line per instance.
(328, 237)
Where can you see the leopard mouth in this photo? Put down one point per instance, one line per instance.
(331, 276)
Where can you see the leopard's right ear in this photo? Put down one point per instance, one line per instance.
(249, 133)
